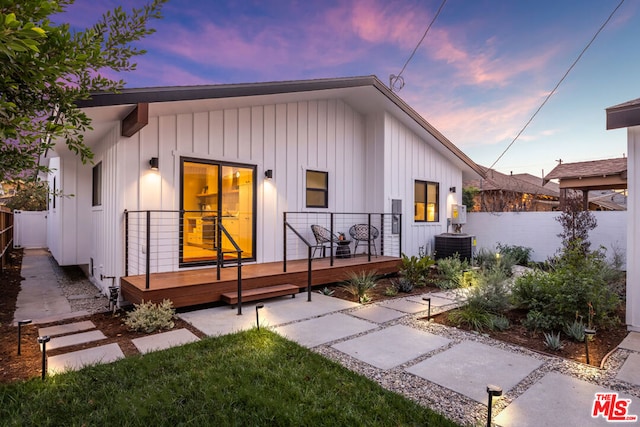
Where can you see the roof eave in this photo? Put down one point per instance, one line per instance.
(623, 115)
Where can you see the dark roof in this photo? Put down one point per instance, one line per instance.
(588, 169)
(624, 115)
(520, 183)
(190, 93)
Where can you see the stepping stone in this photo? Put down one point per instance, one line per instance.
(436, 301)
(558, 400)
(630, 371)
(79, 359)
(392, 346)
(378, 313)
(404, 305)
(75, 339)
(320, 330)
(66, 329)
(631, 341)
(468, 367)
(164, 340)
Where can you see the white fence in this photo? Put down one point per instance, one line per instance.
(30, 229)
(539, 231)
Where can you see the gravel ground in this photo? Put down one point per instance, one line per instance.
(76, 287)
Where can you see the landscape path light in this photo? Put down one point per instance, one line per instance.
(492, 390)
(428, 300)
(258, 307)
(20, 323)
(44, 340)
(588, 334)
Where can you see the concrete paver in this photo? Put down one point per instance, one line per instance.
(630, 370)
(556, 400)
(404, 305)
(79, 359)
(392, 346)
(436, 301)
(164, 340)
(469, 366)
(321, 330)
(377, 313)
(75, 339)
(66, 328)
(631, 341)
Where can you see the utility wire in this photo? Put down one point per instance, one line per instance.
(393, 78)
(560, 82)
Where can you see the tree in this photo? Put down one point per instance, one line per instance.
(30, 196)
(576, 224)
(47, 67)
(468, 197)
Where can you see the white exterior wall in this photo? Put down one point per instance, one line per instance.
(633, 229)
(539, 231)
(408, 158)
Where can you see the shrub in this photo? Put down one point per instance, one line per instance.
(519, 254)
(472, 316)
(147, 316)
(357, 284)
(326, 291)
(575, 330)
(391, 291)
(451, 270)
(402, 284)
(416, 269)
(491, 292)
(576, 224)
(499, 323)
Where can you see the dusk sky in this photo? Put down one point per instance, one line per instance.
(481, 72)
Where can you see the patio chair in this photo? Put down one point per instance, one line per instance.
(323, 239)
(364, 233)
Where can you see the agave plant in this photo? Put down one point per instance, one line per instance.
(357, 284)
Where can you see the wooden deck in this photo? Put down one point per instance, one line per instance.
(194, 287)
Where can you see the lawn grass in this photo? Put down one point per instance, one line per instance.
(252, 378)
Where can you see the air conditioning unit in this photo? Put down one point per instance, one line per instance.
(458, 214)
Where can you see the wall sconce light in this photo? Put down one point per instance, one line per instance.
(268, 173)
(492, 390)
(258, 307)
(154, 163)
(452, 189)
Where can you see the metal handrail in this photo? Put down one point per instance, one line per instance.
(309, 258)
(220, 256)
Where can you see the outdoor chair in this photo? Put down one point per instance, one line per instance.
(364, 233)
(323, 239)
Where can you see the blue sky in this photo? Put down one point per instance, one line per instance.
(481, 72)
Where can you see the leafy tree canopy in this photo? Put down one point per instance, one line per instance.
(46, 67)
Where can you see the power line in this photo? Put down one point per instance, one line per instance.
(393, 79)
(560, 82)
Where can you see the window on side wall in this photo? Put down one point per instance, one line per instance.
(426, 206)
(317, 189)
(96, 197)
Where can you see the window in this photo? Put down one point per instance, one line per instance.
(317, 189)
(426, 206)
(96, 197)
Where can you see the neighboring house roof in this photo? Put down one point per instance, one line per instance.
(624, 115)
(366, 94)
(595, 174)
(519, 183)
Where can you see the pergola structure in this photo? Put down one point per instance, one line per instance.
(609, 174)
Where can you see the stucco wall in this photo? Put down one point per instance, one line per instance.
(539, 230)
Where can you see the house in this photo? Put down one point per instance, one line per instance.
(607, 174)
(498, 192)
(179, 161)
(627, 115)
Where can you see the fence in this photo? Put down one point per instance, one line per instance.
(30, 229)
(539, 231)
(6, 235)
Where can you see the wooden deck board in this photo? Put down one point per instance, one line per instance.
(194, 287)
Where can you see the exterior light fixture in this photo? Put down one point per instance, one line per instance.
(153, 163)
(268, 173)
(258, 307)
(44, 340)
(452, 189)
(588, 334)
(20, 323)
(492, 390)
(428, 300)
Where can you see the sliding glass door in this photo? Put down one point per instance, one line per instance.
(216, 193)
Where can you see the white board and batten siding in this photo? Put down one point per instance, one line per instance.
(408, 158)
(633, 228)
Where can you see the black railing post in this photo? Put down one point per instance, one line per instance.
(239, 282)
(382, 224)
(148, 260)
(369, 237)
(332, 241)
(126, 242)
(284, 243)
(309, 274)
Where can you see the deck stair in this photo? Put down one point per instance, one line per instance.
(260, 293)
